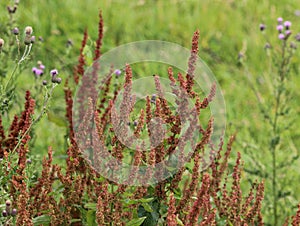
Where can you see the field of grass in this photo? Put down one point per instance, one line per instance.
(231, 44)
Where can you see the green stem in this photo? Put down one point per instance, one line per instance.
(276, 134)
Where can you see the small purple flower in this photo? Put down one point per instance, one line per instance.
(279, 20)
(135, 123)
(262, 27)
(279, 28)
(287, 24)
(53, 72)
(15, 31)
(118, 72)
(267, 46)
(42, 67)
(38, 72)
(153, 99)
(4, 213)
(32, 39)
(34, 69)
(28, 161)
(281, 36)
(14, 212)
(297, 37)
(288, 33)
(45, 82)
(293, 45)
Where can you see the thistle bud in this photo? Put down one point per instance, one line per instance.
(27, 40)
(1, 43)
(56, 80)
(44, 82)
(15, 31)
(28, 30)
(32, 39)
(14, 212)
(4, 213)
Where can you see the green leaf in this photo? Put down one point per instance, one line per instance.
(41, 220)
(147, 207)
(92, 206)
(136, 222)
(91, 218)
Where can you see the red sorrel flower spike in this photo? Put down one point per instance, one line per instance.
(100, 37)
(81, 61)
(191, 64)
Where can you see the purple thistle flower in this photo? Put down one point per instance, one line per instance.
(53, 72)
(262, 27)
(14, 212)
(42, 67)
(288, 33)
(44, 83)
(15, 31)
(287, 24)
(38, 72)
(33, 69)
(118, 72)
(297, 37)
(281, 36)
(153, 99)
(4, 213)
(279, 28)
(32, 39)
(279, 20)
(293, 45)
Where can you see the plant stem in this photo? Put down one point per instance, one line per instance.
(276, 134)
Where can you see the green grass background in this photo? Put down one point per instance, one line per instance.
(226, 27)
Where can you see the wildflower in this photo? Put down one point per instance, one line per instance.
(12, 10)
(279, 20)
(57, 80)
(37, 71)
(8, 203)
(1, 44)
(118, 72)
(288, 33)
(281, 36)
(54, 79)
(267, 46)
(32, 39)
(40, 64)
(54, 72)
(15, 31)
(69, 43)
(262, 27)
(28, 161)
(28, 30)
(135, 123)
(287, 24)
(297, 37)
(45, 82)
(14, 212)
(153, 99)
(293, 45)
(4, 213)
(279, 28)
(41, 39)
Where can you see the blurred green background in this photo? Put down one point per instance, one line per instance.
(228, 29)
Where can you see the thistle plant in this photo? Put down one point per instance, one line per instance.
(278, 120)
